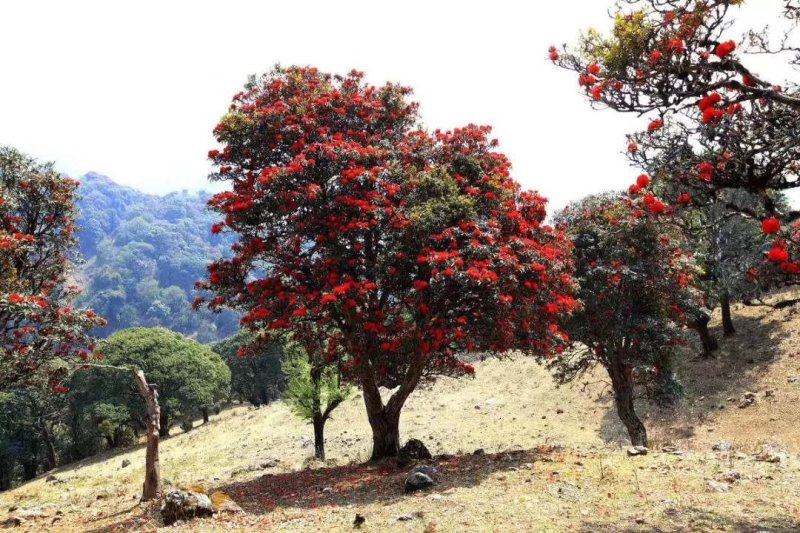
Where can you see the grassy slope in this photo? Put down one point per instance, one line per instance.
(565, 472)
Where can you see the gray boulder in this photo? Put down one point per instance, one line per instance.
(415, 449)
(428, 470)
(411, 452)
(722, 446)
(418, 481)
(185, 505)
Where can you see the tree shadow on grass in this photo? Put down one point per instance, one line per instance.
(356, 484)
(700, 520)
(361, 484)
(708, 383)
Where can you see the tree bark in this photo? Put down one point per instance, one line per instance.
(385, 426)
(49, 446)
(622, 383)
(151, 488)
(319, 436)
(29, 468)
(163, 425)
(6, 467)
(727, 321)
(708, 342)
(204, 410)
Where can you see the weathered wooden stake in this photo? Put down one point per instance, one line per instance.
(152, 471)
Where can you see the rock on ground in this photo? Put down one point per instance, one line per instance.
(637, 450)
(418, 481)
(185, 505)
(412, 451)
(428, 470)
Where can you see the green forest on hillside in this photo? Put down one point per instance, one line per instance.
(143, 253)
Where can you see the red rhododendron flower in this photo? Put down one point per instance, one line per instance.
(684, 199)
(643, 181)
(771, 225)
(657, 207)
(327, 298)
(712, 114)
(724, 49)
(655, 125)
(594, 68)
(656, 56)
(709, 101)
(553, 53)
(676, 46)
(15, 298)
(419, 285)
(778, 254)
(705, 171)
(633, 147)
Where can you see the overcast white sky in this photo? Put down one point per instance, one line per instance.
(133, 89)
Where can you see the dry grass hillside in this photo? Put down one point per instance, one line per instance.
(554, 461)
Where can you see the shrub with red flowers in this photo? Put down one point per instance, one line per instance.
(721, 125)
(410, 247)
(41, 334)
(637, 288)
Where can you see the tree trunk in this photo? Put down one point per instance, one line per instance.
(622, 383)
(204, 410)
(319, 436)
(727, 322)
(385, 426)
(163, 425)
(151, 488)
(708, 342)
(49, 446)
(5, 474)
(29, 468)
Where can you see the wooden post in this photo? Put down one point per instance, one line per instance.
(152, 474)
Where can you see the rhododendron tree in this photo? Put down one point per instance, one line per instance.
(408, 247)
(41, 333)
(728, 242)
(637, 287)
(715, 123)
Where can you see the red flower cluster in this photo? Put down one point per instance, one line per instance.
(705, 171)
(725, 49)
(771, 226)
(656, 56)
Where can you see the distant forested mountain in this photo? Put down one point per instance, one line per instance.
(143, 254)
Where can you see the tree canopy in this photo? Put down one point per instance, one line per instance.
(189, 376)
(256, 374)
(42, 334)
(637, 289)
(714, 123)
(410, 247)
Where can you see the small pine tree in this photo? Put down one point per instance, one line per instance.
(310, 385)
